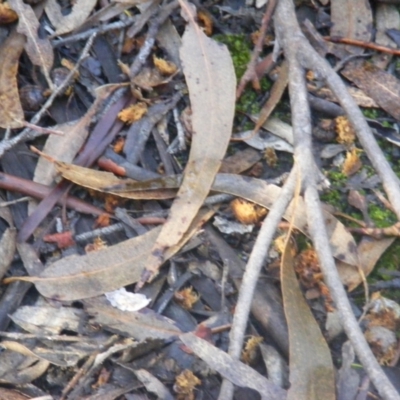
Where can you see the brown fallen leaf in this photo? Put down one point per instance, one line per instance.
(67, 23)
(352, 19)
(99, 180)
(276, 94)
(11, 113)
(383, 87)
(311, 368)
(80, 277)
(39, 50)
(98, 272)
(211, 80)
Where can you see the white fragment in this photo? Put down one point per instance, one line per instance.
(127, 301)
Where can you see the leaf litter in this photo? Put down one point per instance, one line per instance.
(83, 307)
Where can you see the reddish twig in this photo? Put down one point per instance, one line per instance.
(250, 73)
(360, 43)
(39, 191)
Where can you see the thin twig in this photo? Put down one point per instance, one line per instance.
(250, 71)
(28, 133)
(365, 45)
(250, 277)
(147, 47)
(87, 34)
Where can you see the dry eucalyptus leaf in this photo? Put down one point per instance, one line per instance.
(262, 140)
(98, 272)
(255, 190)
(211, 80)
(11, 113)
(39, 50)
(277, 91)
(311, 368)
(79, 277)
(99, 180)
(67, 23)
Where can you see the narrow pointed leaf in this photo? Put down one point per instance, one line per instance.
(210, 77)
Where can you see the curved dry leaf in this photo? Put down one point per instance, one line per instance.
(99, 180)
(311, 368)
(11, 113)
(39, 50)
(277, 90)
(211, 80)
(98, 272)
(80, 277)
(67, 23)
